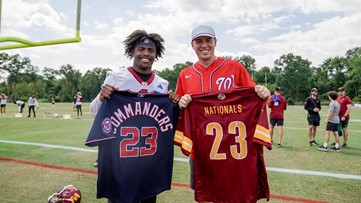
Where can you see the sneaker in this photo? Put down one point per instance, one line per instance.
(344, 145)
(279, 145)
(96, 164)
(312, 143)
(333, 144)
(322, 148)
(335, 149)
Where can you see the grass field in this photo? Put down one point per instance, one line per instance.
(30, 172)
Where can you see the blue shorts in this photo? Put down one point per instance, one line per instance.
(313, 120)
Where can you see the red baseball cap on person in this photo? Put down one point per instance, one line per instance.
(203, 30)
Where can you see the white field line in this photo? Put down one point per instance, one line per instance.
(282, 170)
(318, 129)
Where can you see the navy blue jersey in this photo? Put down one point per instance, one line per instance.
(134, 134)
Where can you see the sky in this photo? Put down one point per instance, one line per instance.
(313, 29)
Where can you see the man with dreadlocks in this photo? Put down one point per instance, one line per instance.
(129, 179)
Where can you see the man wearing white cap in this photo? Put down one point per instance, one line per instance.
(212, 73)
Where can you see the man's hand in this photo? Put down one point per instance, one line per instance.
(173, 96)
(316, 109)
(262, 91)
(184, 101)
(106, 91)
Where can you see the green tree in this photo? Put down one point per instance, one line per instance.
(172, 75)
(330, 75)
(51, 84)
(15, 67)
(353, 83)
(294, 76)
(248, 62)
(92, 81)
(70, 79)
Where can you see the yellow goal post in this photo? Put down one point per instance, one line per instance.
(24, 43)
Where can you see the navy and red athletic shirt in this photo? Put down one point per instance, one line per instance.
(134, 134)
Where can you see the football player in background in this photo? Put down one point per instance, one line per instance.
(344, 115)
(313, 106)
(20, 104)
(3, 103)
(78, 104)
(144, 49)
(210, 73)
(32, 103)
(278, 105)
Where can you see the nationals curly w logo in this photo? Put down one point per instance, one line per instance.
(224, 83)
(106, 125)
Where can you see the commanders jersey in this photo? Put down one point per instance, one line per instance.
(127, 79)
(226, 131)
(134, 134)
(220, 75)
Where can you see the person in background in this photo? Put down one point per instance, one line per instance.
(3, 104)
(313, 106)
(74, 102)
(344, 115)
(278, 105)
(32, 103)
(52, 102)
(20, 104)
(332, 122)
(78, 105)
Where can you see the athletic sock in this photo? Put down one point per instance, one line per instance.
(337, 145)
(325, 145)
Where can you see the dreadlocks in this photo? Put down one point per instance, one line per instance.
(132, 39)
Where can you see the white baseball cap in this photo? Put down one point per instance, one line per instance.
(203, 30)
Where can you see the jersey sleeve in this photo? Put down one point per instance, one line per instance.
(101, 129)
(262, 134)
(180, 138)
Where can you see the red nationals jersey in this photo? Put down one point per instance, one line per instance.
(226, 131)
(220, 75)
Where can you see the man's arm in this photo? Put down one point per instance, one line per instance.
(348, 110)
(105, 92)
(306, 106)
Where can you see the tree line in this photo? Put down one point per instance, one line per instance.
(296, 75)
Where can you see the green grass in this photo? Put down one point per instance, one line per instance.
(28, 183)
